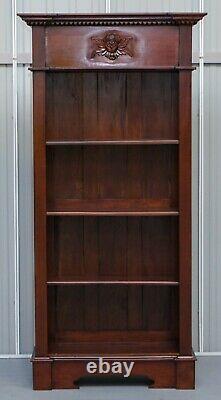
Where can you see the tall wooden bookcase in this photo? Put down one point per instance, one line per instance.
(112, 169)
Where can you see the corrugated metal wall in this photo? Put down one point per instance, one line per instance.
(7, 260)
(212, 164)
(212, 149)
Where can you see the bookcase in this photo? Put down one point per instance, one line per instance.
(112, 169)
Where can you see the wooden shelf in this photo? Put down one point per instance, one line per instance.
(114, 213)
(116, 342)
(110, 68)
(121, 207)
(125, 249)
(117, 282)
(112, 142)
(108, 180)
(118, 348)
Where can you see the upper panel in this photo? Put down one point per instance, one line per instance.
(126, 47)
(112, 40)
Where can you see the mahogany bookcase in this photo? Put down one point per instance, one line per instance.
(112, 169)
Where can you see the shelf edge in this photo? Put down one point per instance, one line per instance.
(150, 283)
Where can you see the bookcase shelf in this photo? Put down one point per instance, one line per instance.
(115, 282)
(112, 168)
(112, 142)
(137, 348)
(142, 248)
(114, 213)
(139, 180)
(120, 322)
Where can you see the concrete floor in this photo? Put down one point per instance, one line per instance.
(16, 383)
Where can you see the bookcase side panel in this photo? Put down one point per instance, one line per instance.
(40, 215)
(185, 212)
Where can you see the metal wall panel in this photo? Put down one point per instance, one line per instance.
(25, 209)
(195, 258)
(7, 253)
(5, 29)
(212, 210)
(154, 5)
(213, 29)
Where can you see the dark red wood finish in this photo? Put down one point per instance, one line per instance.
(40, 214)
(86, 244)
(130, 113)
(112, 146)
(185, 212)
(148, 47)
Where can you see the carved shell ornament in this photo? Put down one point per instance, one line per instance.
(111, 46)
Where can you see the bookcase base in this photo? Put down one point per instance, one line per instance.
(159, 372)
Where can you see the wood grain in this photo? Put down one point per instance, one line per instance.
(142, 105)
(141, 248)
(185, 302)
(112, 178)
(72, 47)
(40, 215)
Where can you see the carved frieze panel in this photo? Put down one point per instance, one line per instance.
(112, 45)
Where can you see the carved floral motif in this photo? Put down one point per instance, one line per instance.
(112, 45)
